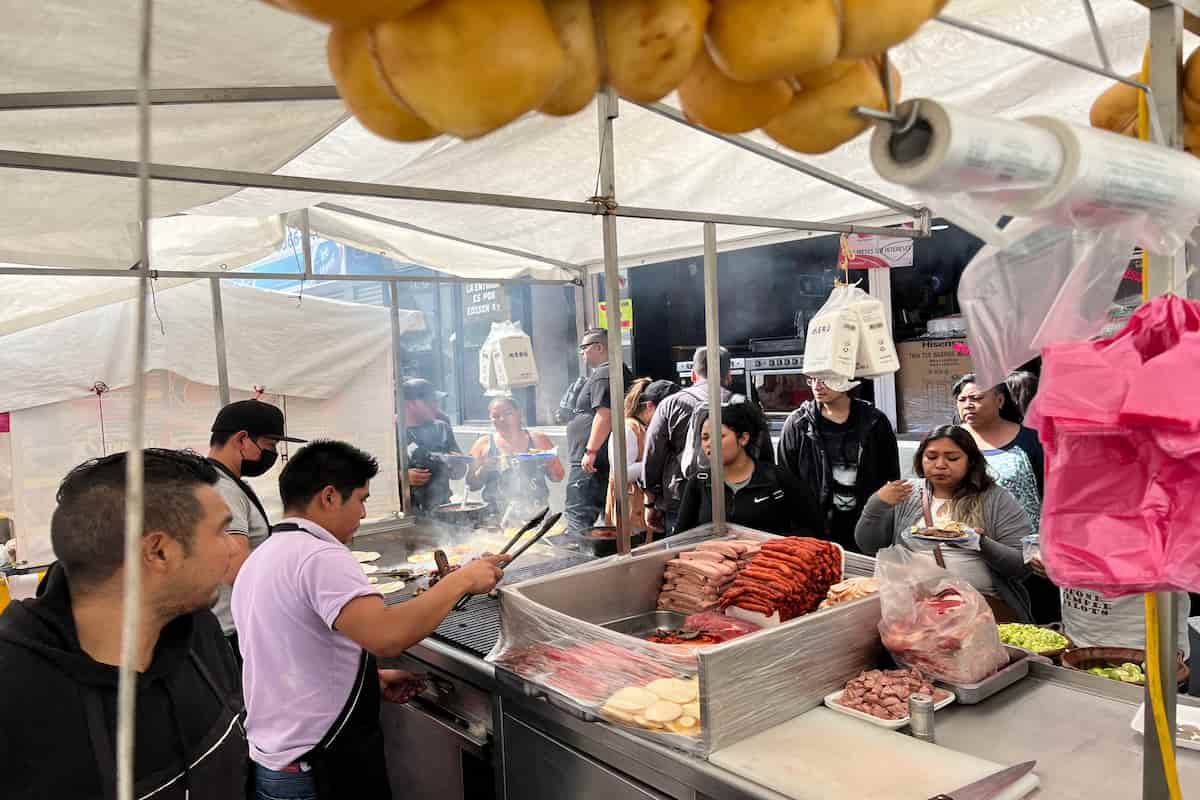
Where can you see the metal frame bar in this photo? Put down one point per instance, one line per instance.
(712, 344)
(1155, 122)
(234, 275)
(1101, 50)
(749, 145)
(165, 97)
(218, 315)
(512, 251)
(607, 109)
(398, 390)
(306, 243)
(53, 162)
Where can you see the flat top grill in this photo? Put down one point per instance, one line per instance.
(476, 628)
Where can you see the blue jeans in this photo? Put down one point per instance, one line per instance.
(272, 785)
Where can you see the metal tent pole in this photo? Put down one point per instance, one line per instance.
(306, 243)
(165, 97)
(398, 386)
(134, 470)
(398, 390)
(232, 275)
(218, 314)
(608, 110)
(1164, 276)
(712, 344)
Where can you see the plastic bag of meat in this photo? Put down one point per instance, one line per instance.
(934, 622)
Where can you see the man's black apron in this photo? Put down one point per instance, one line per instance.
(349, 761)
(210, 767)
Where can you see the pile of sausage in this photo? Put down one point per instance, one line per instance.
(884, 693)
(790, 576)
(694, 581)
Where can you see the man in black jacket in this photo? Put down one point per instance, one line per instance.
(844, 449)
(59, 653)
(663, 475)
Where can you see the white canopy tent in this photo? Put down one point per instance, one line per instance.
(57, 219)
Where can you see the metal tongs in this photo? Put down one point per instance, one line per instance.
(546, 526)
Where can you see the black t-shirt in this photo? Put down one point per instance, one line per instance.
(842, 447)
(595, 394)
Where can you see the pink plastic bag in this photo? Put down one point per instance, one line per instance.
(1121, 429)
(934, 622)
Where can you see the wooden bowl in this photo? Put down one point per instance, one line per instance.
(1084, 658)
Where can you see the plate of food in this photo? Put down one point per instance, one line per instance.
(881, 696)
(949, 532)
(1187, 725)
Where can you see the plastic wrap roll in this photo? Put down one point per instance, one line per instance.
(1151, 192)
(950, 151)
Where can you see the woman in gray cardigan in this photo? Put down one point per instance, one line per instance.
(957, 487)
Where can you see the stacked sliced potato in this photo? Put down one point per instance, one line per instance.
(667, 704)
(411, 69)
(1116, 109)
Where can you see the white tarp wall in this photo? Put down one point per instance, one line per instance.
(329, 362)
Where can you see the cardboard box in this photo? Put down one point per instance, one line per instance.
(513, 362)
(929, 368)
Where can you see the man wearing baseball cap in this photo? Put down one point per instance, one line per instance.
(429, 436)
(245, 435)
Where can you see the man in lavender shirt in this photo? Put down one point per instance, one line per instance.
(311, 626)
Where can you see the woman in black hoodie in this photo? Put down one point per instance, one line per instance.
(757, 494)
(59, 651)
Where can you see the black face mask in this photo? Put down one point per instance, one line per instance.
(259, 466)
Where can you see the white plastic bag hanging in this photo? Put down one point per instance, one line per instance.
(1052, 284)
(831, 348)
(511, 363)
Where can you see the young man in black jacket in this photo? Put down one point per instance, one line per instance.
(844, 449)
(59, 653)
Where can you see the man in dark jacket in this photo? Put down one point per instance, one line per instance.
(844, 449)
(666, 439)
(430, 436)
(59, 653)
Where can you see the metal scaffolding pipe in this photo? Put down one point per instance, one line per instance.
(51, 162)
(218, 315)
(749, 145)
(398, 388)
(165, 97)
(608, 109)
(230, 275)
(306, 243)
(712, 345)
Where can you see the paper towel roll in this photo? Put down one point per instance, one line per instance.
(1109, 179)
(952, 151)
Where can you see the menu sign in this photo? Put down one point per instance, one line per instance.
(484, 302)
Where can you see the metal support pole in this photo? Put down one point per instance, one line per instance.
(608, 110)
(230, 275)
(712, 345)
(1101, 50)
(879, 282)
(306, 244)
(165, 97)
(1165, 274)
(398, 387)
(131, 606)
(218, 314)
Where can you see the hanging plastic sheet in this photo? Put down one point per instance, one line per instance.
(1122, 502)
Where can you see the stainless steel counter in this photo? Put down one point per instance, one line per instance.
(1076, 726)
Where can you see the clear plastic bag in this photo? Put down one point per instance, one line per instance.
(934, 622)
(1121, 512)
(1051, 284)
(831, 347)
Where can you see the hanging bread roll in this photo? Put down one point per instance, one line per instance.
(1190, 94)
(365, 90)
(576, 28)
(757, 40)
(470, 66)
(1191, 137)
(714, 100)
(1116, 108)
(818, 120)
(349, 12)
(872, 26)
(650, 45)
(823, 76)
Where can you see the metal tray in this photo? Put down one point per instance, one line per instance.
(972, 693)
(642, 625)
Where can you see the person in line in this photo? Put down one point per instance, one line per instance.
(1023, 386)
(955, 486)
(566, 404)
(1015, 460)
(311, 628)
(587, 436)
(843, 449)
(60, 652)
(505, 480)
(429, 436)
(758, 494)
(640, 403)
(244, 442)
(663, 475)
